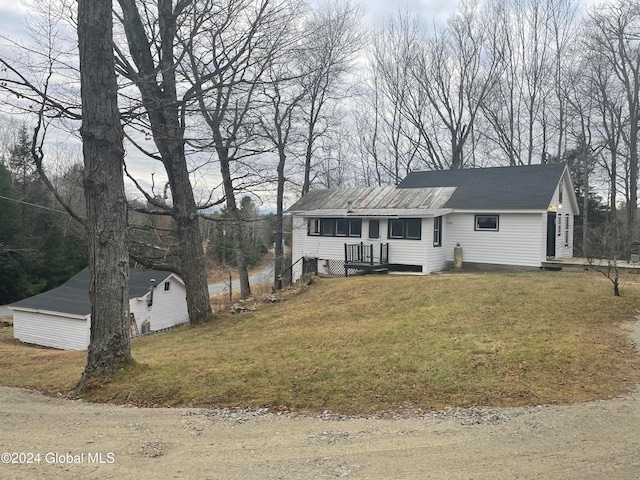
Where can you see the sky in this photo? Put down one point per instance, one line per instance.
(12, 26)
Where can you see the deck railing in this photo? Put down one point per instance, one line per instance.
(363, 253)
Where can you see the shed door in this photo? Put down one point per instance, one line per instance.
(551, 234)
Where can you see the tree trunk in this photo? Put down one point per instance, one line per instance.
(633, 178)
(191, 263)
(160, 100)
(585, 208)
(237, 232)
(279, 253)
(102, 136)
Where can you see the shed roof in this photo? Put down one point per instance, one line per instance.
(496, 188)
(72, 297)
(371, 201)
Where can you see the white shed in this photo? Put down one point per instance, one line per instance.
(61, 317)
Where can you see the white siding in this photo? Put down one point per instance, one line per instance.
(409, 252)
(404, 252)
(138, 306)
(297, 245)
(564, 249)
(436, 256)
(60, 331)
(520, 239)
(169, 308)
(51, 330)
(562, 209)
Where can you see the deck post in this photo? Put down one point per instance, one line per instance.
(346, 259)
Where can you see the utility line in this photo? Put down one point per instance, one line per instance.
(33, 205)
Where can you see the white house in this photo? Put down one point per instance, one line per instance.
(501, 216)
(61, 317)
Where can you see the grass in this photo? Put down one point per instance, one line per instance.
(370, 344)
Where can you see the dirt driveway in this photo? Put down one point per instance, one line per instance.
(55, 438)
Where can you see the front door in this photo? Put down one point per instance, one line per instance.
(551, 234)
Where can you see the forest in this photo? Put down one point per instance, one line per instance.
(222, 100)
(41, 245)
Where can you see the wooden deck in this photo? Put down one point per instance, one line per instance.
(366, 267)
(582, 264)
(360, 257)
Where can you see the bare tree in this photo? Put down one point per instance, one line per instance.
(334, 38)
(562, 20)
(283, 94)
(391, 140)
(151, 65)
(605, 248)
(110, 344)
(600, 101)
(454, 74)
(229, 61)
(614, 32)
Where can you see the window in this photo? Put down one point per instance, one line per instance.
(342, 227)
(437, 231)
(566, 230)
(559, 224)
(374, 228)
(405, 228)
(167, 286)
(313, 228)
(335, 227)
(487, 222)
(560, 191)
(355, 228)
(396, 228)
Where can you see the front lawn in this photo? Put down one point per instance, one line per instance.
(379, 343)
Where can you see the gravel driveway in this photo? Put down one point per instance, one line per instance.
(56, 438)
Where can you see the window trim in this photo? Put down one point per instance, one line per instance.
(376, 235)
(405, 222)
(344, 231)
(561, 191)
(315, 231)
(437, 231)
(477, 228)
(167, 286)
(328, 227)
(566, 230)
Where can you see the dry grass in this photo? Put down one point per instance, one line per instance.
(222, 302)
(379, 343)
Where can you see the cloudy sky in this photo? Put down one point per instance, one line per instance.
(13, 19)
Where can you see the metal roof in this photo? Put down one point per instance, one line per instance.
(72, 297)
(372, 201)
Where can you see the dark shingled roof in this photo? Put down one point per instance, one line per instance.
(528, 187)
(73, 296)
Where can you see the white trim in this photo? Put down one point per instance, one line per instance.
(496, 211)
(51, 312)
(378, 212)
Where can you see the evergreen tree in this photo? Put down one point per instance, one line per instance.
(38, 251)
